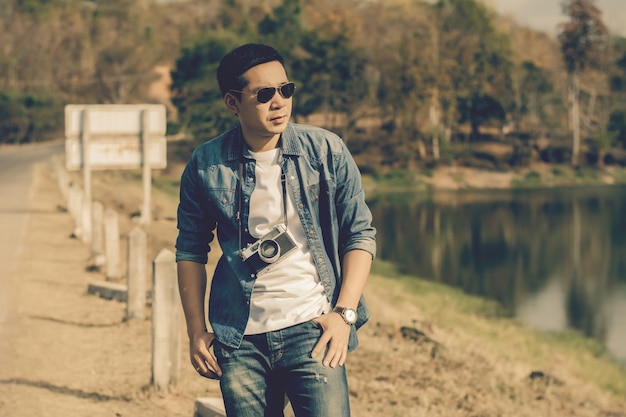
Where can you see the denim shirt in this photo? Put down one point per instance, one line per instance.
(325, 185)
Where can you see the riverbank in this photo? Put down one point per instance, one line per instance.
(429, 350)
(454, 178)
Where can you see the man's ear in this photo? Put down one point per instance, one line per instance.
(232, 103)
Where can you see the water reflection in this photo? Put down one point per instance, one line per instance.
(555, 258)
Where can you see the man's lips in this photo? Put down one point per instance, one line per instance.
(278, 118)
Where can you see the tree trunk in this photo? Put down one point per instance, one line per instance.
(575, 118)
(433, 114)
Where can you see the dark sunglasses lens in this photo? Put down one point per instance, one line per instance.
(265, 94)
(286, 90)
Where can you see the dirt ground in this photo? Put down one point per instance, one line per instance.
(74, 354)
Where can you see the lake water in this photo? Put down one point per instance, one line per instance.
(556, 259)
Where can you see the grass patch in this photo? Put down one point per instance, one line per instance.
(531, 179)
(394, 181)
(560, 172)
(488, 324)
(169, 186)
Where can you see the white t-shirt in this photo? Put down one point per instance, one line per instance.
(290, 292)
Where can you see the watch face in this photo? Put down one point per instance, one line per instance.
(350, 315)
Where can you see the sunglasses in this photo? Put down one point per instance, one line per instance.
(265, 94)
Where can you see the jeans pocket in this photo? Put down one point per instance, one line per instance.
(315, 323)
(221, 350)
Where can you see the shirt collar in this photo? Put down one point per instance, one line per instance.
(234, 143)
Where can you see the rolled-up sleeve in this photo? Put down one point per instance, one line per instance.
(195, 227)
(353, 215)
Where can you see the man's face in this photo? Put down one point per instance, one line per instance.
(263, 122)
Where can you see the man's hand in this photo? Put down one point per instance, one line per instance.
(335, 336)
(202, 357)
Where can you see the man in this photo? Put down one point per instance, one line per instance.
(297, 243)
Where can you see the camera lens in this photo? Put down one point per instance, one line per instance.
(269, 251)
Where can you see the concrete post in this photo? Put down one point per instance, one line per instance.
(112, 245)
(97, 241)
(71, 200)
(78, 211)
(62, 179)
(86, 235)
(165, 321)
(137, 259)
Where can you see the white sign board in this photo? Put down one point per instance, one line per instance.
(114, 136)
(116, 153)
(115, 119)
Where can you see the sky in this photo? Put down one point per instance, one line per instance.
(545, 15)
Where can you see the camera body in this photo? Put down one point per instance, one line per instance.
(268, 250)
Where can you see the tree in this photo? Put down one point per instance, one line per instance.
(536, 94)
(28, 117)
(581, 40)
(335, 78)
(395, 38)
(617, 86)
(195, 91)
(125, 51)
(473, 60)
(617, 126)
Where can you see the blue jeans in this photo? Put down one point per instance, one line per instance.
(256, 377)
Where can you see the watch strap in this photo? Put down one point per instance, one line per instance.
(343, 312)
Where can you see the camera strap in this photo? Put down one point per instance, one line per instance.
(283, 183)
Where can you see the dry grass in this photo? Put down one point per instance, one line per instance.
(469, 364)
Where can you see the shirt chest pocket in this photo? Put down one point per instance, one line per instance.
(223, 202)
(224, 197)
(221, 191)
(320, 191)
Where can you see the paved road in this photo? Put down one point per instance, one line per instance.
(16, 169)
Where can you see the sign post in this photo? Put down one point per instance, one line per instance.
(147, 172)
(116, 136)
(86, 206)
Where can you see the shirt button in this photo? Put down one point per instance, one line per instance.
(300, 206)
(320, 259)
(311, 233)
(246, 200)
(223, 201)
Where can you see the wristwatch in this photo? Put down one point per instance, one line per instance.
(347, 314)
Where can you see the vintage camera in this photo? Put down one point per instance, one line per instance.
(269, 249)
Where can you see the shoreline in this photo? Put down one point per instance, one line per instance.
(453, 178)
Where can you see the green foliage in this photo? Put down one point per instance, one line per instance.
(334, 73)
(382, 65)
(539, 101)
(195, 91)
(585, 175)
(476, 61)
(29, 117)
(328, 71)
(617, 126)
(529, 180)
(559, 171)
(479, 109)
(582, 36)
(41, 7)
(283, 27)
